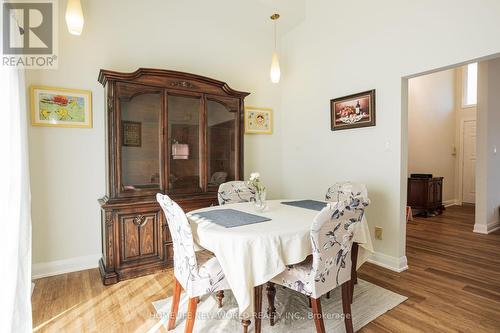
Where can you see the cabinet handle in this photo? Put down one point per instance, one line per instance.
(140, 220)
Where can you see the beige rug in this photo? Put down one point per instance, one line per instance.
(370, 301)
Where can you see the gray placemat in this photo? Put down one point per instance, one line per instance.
(307, 204)
(230, 218)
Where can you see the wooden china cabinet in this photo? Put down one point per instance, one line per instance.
(167, 132)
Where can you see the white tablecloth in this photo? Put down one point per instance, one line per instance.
(253, 254)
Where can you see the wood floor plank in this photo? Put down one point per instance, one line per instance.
(452, 285)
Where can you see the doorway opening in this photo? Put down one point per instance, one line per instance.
(442, 116)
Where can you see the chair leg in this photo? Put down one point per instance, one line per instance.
(346, 306)
(245, 323)
(258, 308)
(191, 314)
(318, 315)
(309, 301)
(220, 296)
(175, 304)
(328, 295)
(271, 311)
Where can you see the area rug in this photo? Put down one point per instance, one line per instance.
(293, 312)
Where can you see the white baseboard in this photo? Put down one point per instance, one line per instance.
(486, 228)
(452, 202)
(393, 263)
(57, 267)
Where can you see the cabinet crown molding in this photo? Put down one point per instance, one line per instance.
(158, 77)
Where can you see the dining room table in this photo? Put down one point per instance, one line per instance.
(252, 254)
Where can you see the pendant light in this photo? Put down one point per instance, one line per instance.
(275, 64)
(74, 17)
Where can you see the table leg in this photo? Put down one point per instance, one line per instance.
(258, 308)
(354, 272)
(271, 311)
(245, 323)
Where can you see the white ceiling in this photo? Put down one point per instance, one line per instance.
(292, 12)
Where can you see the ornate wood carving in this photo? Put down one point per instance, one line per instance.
(183, 84)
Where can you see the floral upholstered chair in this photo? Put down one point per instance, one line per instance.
(330, 264)
(196, 274)
(347, 192)
(234, 192)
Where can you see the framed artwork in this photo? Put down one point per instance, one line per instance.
(353, 111)
(131, 133)
(59, 107)
(258, 120)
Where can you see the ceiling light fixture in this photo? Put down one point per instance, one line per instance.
(74, 17)
(275, 64)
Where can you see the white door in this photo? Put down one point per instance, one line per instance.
(469, 166)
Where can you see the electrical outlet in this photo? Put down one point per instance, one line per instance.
(378, 232)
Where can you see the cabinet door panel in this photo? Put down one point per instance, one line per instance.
(222, 140)
(140, 148)
(131, 238)
(184, 153)
(140, 236)
(147, 236)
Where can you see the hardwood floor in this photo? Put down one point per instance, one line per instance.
(453, 285)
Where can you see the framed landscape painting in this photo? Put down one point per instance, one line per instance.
(61, 107)
(353, 111)
(258, 120)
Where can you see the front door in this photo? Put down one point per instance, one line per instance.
(469, 162)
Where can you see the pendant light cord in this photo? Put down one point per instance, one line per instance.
(275, 39)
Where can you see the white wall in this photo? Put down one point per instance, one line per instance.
(227, 40)
(432, 128)
(345, 47)
(341, 47)
(488, 156)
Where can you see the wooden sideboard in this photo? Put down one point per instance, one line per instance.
(426, 194)
(167, 132)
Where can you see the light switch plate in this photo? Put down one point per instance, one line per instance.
(378, 233)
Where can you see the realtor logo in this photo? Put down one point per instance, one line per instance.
(29, 38)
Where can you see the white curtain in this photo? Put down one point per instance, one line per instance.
(15, 206)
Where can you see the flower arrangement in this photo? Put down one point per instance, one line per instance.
(255, 182)
(260, 191)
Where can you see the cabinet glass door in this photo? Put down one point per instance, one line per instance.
(221, 140)
(140, 141)
(184, 166)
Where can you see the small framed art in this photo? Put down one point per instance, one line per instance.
(353, 111)
(258, 120)
(60, 107)
(132, 133)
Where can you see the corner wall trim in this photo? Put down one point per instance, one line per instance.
(393, 263)
(486, 228)
(57, 267)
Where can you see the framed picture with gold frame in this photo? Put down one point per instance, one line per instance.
(60, 107)
(258, 120)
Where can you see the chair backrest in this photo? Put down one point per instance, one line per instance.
(234, 192)
(346, 192)
(185, 264)
(331, 239)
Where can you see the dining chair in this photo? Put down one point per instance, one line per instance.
(345, 192)
(194, 272)
(330, 264)
(234, 192)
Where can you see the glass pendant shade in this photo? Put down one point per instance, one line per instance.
(275, 69)
(74, 17)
